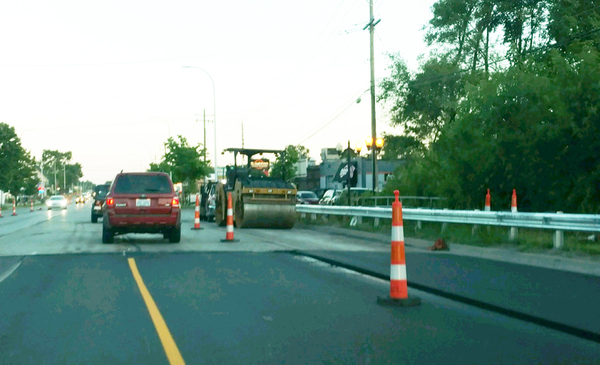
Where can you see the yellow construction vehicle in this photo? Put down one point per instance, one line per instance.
(259, 201)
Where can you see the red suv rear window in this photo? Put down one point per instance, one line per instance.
(143, 184)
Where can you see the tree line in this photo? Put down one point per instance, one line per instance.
(187, 164)
(508, 97)
(21, 172)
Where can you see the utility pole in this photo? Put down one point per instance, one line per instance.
(371, 26)
(204, 131)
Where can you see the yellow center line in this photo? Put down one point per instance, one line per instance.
(159, 323)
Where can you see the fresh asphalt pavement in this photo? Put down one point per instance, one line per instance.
(563, 297)
(65, 298)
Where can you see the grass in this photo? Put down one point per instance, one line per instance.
(528, 240)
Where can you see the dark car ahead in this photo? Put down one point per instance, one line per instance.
(307, 197)
(98, 195)
(142, 202)
(208, 201)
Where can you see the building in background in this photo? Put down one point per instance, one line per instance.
(307, 175)
(333, 160)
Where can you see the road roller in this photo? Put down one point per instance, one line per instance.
(258, 200)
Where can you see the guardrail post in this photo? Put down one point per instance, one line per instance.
(475, 227)
(376, 222)
(419, 225)
(313, 217)
(559, 237)
(444, 225)
(514, 232)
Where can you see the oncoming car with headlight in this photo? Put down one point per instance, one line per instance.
(56, 201)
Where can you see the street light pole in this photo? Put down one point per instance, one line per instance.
(214, 118)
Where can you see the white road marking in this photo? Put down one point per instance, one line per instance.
(9, 271)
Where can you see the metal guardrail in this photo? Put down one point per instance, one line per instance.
(421, 201)
(552, 221)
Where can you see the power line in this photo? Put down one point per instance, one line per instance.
(334, 118)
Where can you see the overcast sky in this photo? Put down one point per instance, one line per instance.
(105, 79)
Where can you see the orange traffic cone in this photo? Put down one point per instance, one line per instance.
(31, 206)
(439, 245)
(488, 198)
(1, 210)
(398, 286)
(197, 214)
(14, 207)
(229, 234)
(513, 203)
(514, 231)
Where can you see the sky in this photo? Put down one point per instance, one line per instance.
(107, 80)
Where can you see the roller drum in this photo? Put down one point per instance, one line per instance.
(264, 215)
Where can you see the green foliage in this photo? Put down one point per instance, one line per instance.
(421, 104)
(400, 147)
(185, 163)
(57, 169)
(16, 164)
(529, 126)
(283, 168)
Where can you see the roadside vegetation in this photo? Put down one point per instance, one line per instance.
(21, 172)
(576, 244)
(506, 98)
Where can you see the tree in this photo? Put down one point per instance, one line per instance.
(73, 173)
(53, 163)
(574, 22)
(450, 27)
(185, 163)
(421, 104)
(527, 126)
(283, 168)
(16, 164)
(400, 147)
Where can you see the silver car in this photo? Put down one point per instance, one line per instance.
(330, 197)
(56, 201)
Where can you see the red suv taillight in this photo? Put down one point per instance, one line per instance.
(175, 202)
(110, 202)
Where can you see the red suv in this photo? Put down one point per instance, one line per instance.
(141, 202)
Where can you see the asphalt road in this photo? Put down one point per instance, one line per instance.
(65, 298)
(564, 298)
